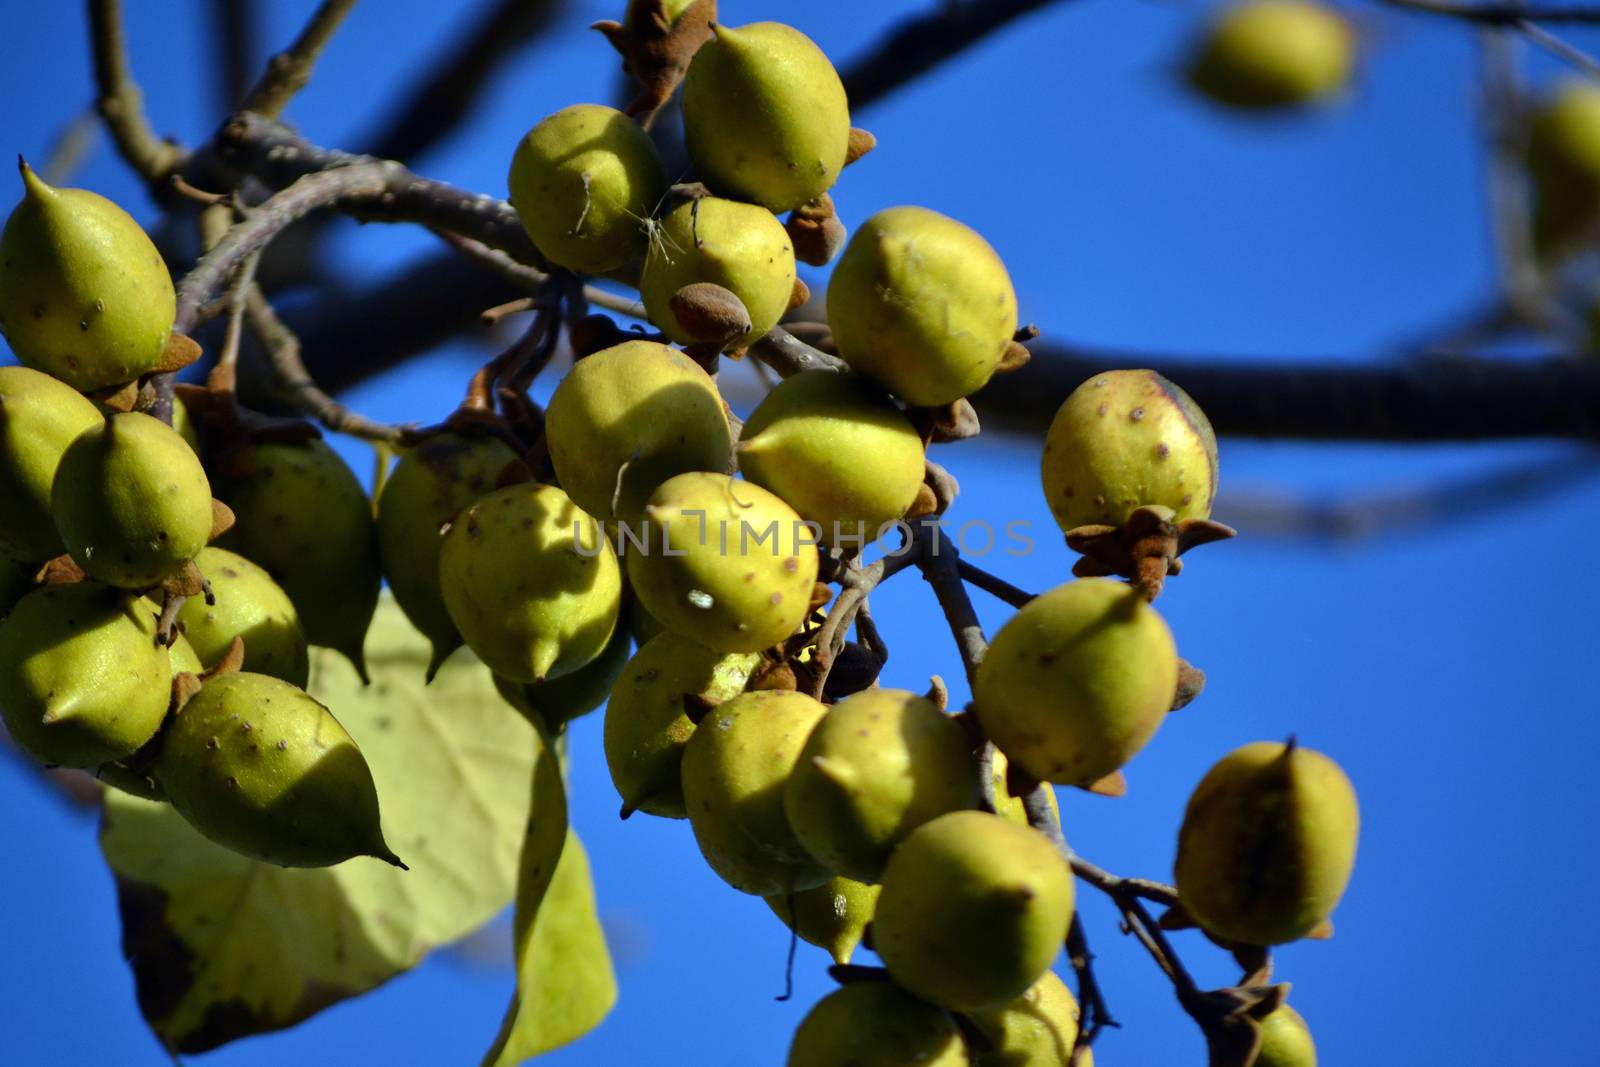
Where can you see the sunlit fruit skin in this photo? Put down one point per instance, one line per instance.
(1077, 681)
(741, 247)
(921, 304)
(187, 427)
(584, 181)
(837, 451)
(1037, 1029)
(1267, 844)
(249, 605)
(832, 916)
(82, 678)
(259, 766)
(1266, 54)
(531, 582)
(734, 769)
(1285, 1040)
(725, 563)
(880, 764)
(84, 295)
(182, 655)
(1009, 805)
(554, 703)
(647, 721)
(974, 909)
(1564, 162)
(1125, 439)
(39, 418)
(131, 501)
(876, 1024)
(303, 516)
(433, 482)
(765, 115)
(626, 419)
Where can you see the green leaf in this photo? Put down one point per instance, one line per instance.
(565, 984)
(223, 946)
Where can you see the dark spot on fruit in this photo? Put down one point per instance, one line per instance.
(1137, 414)
(1162, 451)
(283, 745)
(1101, 410)
(211, 744)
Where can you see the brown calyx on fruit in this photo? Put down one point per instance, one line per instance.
(1145, 549)
(657, 49)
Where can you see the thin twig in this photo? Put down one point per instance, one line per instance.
(295, 383)
(1559, 47)
(121, 103)
(993, 585)
(939, 562)
(290, 70)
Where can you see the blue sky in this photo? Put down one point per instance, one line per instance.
(1455, 689)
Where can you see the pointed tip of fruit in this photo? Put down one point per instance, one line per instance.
(628, 808)
(834, 771)
(842, 951)
(441, 652)
(34, 185)
(545, 654)
(358, 660)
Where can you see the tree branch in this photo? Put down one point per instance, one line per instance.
(917, 45)
(121, 103)
(289, 71)
(443, 99)
(1499, 14)
(1432, 399)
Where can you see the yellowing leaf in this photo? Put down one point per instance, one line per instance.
(223, 946)
(565, 984)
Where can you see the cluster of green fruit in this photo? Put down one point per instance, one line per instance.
(106, 509)
(864, 814)
(643, 516)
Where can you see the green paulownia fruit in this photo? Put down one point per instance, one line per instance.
(1125, 439)
(1267, 844)
(832, 916)
(724, 562)
(734, 770)
(880, 764)
(131, 501)
(251, 606)
(531, 582)
(629, 417)
(84, 294)
(1077, 681)
(1564, 162)
(554, 703)
(304, 517)
(765, 115)
(974, 909)
(876, 1024)
(741, 247)
(648, 717)
(584, 181)
(922, 305)
(432, 483)
(83, 680)
(1269, 54)
(1038, 1029)
(257, 765)
(837, 451)
(39, 418)
(1285, 1040)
